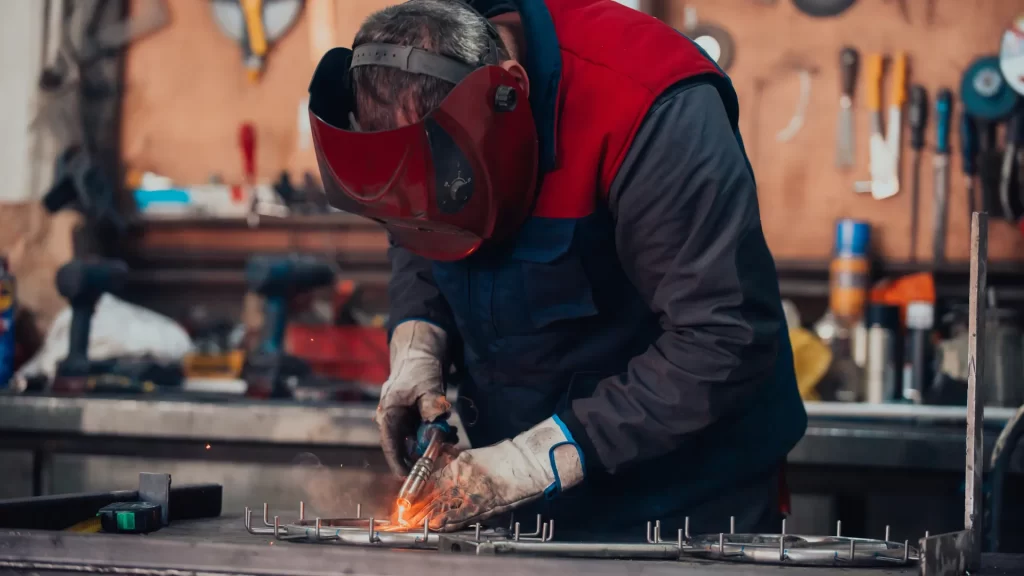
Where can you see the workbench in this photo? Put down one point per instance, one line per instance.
(896, 452)
(221, 545)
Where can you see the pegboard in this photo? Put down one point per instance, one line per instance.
(801, 192)
(186, 95)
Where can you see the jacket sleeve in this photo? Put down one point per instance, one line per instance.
(413, 294)
(688, 235)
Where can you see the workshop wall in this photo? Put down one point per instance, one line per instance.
(186, 94)
(801, 192)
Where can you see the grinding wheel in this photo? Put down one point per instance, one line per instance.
(985, 93)
(823, 8)
(716, 41)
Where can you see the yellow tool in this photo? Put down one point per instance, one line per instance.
(884, 151)
(255, 25)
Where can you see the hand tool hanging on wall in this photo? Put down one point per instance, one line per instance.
(943, 113)
(885, 141)
(1011, 56)
(918, 120)
(1009, 174)
(712, 38)
(823, 8)
(849, 60)
(988, 99)
(255, 25)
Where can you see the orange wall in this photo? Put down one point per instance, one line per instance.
(186, 95)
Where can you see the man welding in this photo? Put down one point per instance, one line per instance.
(575, 238)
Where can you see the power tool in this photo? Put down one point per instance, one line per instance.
(430, 439)
(278, 279)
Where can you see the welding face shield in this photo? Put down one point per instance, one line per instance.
(463, 175)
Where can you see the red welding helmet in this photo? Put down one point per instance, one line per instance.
(463, 175)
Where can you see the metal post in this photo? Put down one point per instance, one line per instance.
(975, 390)
(959, 553)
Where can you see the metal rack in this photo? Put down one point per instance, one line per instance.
(782, 548)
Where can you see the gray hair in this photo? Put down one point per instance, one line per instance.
(447, 27)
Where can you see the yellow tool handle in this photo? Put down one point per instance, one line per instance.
(252, 11)
(873, 76)
(899, 80)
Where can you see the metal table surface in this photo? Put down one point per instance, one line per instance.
(917, 437)
(222, 546)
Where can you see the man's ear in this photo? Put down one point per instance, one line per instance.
(516, 69)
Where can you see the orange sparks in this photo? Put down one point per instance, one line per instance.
(207, 446)
(401, 513)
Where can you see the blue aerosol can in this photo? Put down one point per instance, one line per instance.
(8, 305)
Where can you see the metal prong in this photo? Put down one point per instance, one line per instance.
(319, 523)
(839, 528)
(906, 551)
(266, 514)
(277, 526)
(649, 540)
(886, 532)
(783, 526)
(679, 538)
(732, 524)
(477, 532)
(515, 532)
(551, 530)
(359, 511)
(247, 518)
(544, 533)
(721, 544)
(657, 531)
(302, 511)
(426, 529)
(853, 545)
(925, 533)
(540, 528)
(686, 527)
(373, 537)
(782, 544)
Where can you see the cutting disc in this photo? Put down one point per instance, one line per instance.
(984, 92)
(823, 8)
(1011, 56)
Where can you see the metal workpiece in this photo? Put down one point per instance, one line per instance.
(797, 550)
(745, 548)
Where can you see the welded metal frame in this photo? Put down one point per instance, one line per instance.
(780, 549)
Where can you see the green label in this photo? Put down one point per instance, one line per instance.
(126, 521)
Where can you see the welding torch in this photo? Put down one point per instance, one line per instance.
(430, 439)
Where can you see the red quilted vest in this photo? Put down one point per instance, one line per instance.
(616, 61)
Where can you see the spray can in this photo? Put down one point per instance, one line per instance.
(7, 309)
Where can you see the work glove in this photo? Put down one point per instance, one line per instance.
(414, 392)
(486, 482)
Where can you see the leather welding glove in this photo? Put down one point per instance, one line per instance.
(414, 392)
(485, 482)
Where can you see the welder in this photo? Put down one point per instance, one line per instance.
(575, 240)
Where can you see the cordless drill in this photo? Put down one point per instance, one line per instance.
(278, 279)
(82, 282)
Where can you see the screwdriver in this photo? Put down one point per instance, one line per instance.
(918, 119)
(848, 60)
(943, 106)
